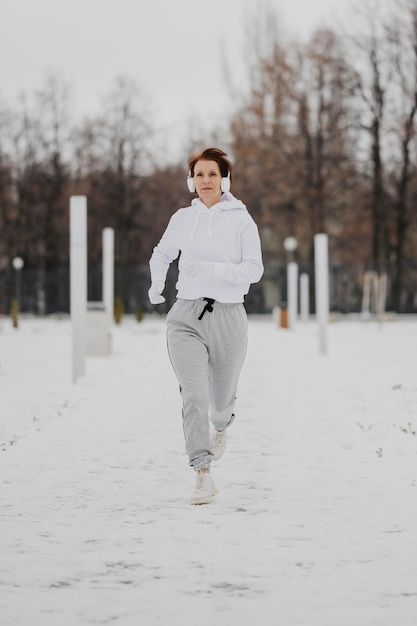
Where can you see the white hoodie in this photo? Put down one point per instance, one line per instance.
(224, 235)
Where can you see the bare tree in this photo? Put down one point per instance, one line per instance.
(112, 160)
(373, 74)
(39, 134)
(325, 145)
(293, 137)
(401, 32)
(259, 133)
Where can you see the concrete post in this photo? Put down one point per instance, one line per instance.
(78, 283)
(292, 282)
(321, 259)
(108, 273)
(304, 297)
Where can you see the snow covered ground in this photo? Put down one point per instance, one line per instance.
(315, 523)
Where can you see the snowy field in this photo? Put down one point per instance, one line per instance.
(315, 523)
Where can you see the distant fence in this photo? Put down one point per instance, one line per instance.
(47, 292)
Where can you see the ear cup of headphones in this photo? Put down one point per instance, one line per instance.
(191, 184)
(225, 184)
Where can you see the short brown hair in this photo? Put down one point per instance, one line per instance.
(212, 154)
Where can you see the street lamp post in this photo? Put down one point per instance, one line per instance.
(18, 265)
(290, 245)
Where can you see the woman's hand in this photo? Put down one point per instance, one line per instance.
(155, 291)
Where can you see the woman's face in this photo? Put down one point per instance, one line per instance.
(207, 179)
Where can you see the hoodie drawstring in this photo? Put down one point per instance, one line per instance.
(208, 307)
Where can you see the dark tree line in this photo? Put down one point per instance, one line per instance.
(323, 140)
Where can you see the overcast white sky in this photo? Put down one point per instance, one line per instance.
(173, 48)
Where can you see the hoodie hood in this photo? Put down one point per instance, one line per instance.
(227, 203)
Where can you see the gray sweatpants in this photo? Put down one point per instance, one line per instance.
(207, 356)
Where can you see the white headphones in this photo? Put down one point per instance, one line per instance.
(224, 185)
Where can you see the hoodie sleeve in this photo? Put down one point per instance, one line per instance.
(251, 268)
(164, 253)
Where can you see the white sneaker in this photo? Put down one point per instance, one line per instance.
(218, 443)
(204, 488)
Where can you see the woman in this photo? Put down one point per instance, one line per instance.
(219, 257)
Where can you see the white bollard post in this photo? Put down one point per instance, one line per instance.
(382, 296)
(304, 297)
(108, 273)
(321, 259)
(366, 297)
(292, 286)
(78, 283)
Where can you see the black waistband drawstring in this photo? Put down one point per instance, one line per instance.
(208, 307)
